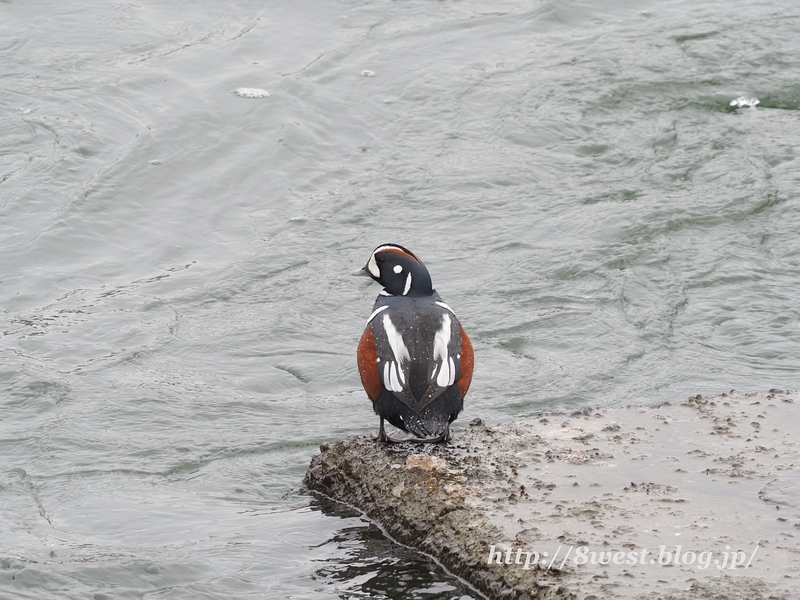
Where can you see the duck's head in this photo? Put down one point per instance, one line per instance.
(398, 270)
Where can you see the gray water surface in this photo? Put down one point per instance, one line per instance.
(179, 324)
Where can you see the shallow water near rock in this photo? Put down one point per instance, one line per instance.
(179, 324)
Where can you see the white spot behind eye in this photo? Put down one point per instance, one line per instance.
(398, 269)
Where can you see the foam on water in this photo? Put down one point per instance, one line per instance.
(745, 102)
(251, 93)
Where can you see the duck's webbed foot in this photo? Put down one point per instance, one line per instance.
(407, 437)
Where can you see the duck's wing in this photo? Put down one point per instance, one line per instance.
(417, 352)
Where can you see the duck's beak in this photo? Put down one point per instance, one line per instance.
(363, 272)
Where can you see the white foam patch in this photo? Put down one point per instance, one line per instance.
(745, 102)
(251, 93)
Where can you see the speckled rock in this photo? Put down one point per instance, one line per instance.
(693, 500)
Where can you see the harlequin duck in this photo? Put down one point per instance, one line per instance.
(414, 357)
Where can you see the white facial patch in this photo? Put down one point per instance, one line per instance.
(372, 267)
(398, 269)
(447, 368)
(408, 284)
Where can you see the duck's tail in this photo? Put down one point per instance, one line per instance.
(432, 424)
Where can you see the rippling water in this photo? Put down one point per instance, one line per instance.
(178, 321)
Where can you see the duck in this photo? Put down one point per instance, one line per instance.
(414, 357)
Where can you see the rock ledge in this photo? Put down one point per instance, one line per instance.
(693, 500)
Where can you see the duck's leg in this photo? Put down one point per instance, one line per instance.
(442, 437)
(385, 438)
(382, 437)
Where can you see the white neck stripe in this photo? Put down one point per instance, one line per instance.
(443, 305)
(375, 312)
(408, 284)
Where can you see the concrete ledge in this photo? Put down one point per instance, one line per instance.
(693, 500)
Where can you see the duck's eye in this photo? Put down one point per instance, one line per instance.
(398, 269)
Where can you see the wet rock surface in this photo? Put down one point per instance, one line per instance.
(699, 499)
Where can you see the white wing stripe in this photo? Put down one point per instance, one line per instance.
(393, 375)
(390, 373)
(444, 375)
(396, 387)
(386, 381)
(399, 349)
(440, 343)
